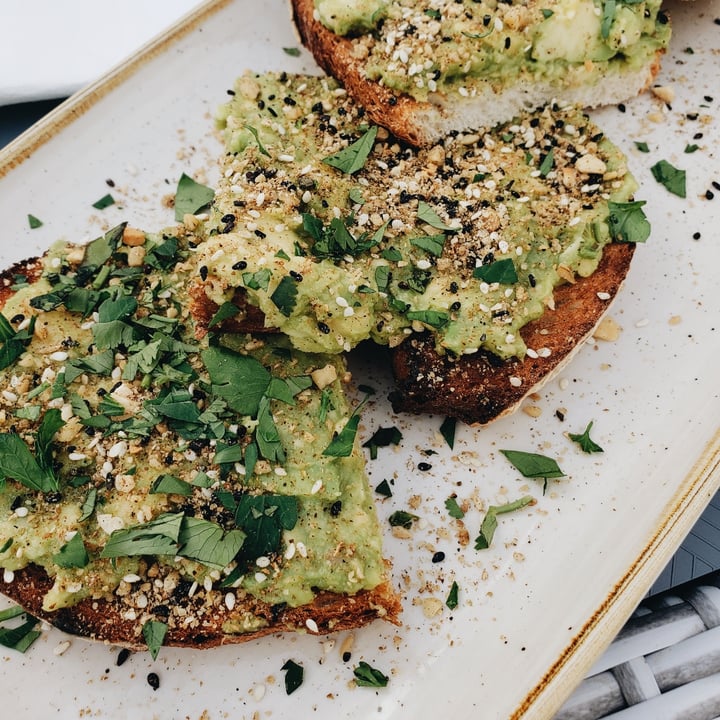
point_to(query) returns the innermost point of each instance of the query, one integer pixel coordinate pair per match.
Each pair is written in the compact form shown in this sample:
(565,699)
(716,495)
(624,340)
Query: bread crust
(106,619)
(423,123)
(478,388)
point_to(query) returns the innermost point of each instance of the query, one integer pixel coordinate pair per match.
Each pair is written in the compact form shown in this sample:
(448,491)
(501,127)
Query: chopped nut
(133,237)
(607,330)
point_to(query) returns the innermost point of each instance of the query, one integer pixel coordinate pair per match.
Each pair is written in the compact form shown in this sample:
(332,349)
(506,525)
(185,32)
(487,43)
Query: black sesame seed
(708,98)
(17,318)
(438,556)
(153,680)
(323,328)
(560,415)
(696,236)
(296,276)
(424,467)
(346,656)
(227,218)
(455,306)
(240,265)
(123,655)
(709,194)
(692,116)
(289,101)
(335,508)
(392,101)
(507,42)
(716,184)
(259,233)
(203,272)
(532,280)
(53,498)
(17,502)
(453,287)
(621,107)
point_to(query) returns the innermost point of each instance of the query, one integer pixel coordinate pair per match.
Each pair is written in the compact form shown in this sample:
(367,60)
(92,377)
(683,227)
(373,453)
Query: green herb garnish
(447,430)
(383,488)
(383,437)
(352,158)
(430,243)
(285,295)
(489,523)
(12,343)
(452,598)
(169,484)
(18,638)
(226,311)
(642,147)
(104,202)
(191,197)
(256,135)
(429,216)
(402,518)
(691,148)
(454,510)
(154,633)
(672,178)
(293,676)
(433,318)
(627,221)
(500,271)
(73,553)
(34,222)
(532,465)
(583,440)
(547,164)
(368,676)
(292,51)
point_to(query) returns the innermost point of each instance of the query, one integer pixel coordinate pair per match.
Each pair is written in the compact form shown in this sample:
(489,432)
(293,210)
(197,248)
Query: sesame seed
(76,456)
(604,295)
(60,648)
(230,600)
(263,561)
(22,511)
(317,486)
(131,578)
(59,356)
(515,381)
(311,625)
(260,577)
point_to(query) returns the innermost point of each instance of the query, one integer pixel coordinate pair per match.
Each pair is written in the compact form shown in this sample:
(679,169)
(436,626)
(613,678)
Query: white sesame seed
(207,583)
(286,158)
(563,383)
(424,264)
(515,381)
(604,295)
(302,550)
(341,301)
(141,601)
(642,323)
(9,396)
(311,625)
(59,356)
(118,449)
(230,600)
(21,512)
(531,353)
(76,456)
(193,589)
(317,486)
(307,196)
(263,561)
(260,577)
(8,576)
(281,472)
(544,352)
(290,551)
(260,199)
(131,578)
(116,373)
(348,312)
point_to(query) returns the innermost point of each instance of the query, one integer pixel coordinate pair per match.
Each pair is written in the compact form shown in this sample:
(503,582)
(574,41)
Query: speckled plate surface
(562,576)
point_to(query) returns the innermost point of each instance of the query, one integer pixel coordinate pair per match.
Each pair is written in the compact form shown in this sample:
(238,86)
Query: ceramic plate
(538,607)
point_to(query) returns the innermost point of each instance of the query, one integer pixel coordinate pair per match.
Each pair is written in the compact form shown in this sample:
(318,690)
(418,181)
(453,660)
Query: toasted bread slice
(146,476)
(423,70)
(480,388)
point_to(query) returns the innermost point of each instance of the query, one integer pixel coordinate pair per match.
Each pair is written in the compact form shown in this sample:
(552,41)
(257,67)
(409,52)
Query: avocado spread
(137,463)
(451,47)
(339,233)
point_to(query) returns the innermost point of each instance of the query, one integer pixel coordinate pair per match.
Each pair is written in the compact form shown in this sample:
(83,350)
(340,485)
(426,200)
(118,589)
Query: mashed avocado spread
(445,46)
(140,464)
(339,233)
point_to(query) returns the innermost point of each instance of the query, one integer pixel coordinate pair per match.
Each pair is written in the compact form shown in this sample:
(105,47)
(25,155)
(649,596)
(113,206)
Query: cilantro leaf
(258,280)
(292,52)
(383,488)
(171,485)
(224,312)
(191,196)
(642,146)
(368,676)
(489,523)
(103,202)
(342,444)
(500,271)
(157,537)
(19,638)
(627,221)
(352,158)
(13,343)
(88,505)
(72,554)
(208,543)
(433,318)
(691,148)
(583,440)
(154,633)
(532,465)
(670,177)
(293,676)
(34,222)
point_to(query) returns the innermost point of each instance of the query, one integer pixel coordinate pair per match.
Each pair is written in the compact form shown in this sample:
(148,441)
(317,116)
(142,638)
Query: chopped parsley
(72,554)
(22,636)
(191,197)
(489,523)
(670,177)
(584,441)
(627,221)
(430,243)
(34,222)
(285,295)
(532,465)
(454,510)
(293,676)
(452,598)
(642,146)
(352,158)
(500,271)
(368,676)
(104,202)
(402,518)
(383,488)
(429,216)
(292,51)
(447,430)
(154,633)
(382,437)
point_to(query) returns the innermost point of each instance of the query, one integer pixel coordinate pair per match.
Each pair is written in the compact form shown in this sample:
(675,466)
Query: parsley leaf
(258,280)
(171,485)
(352,158)
(583,440)
(433,318)
(34,222)
(383,488)
(154,633)
(402,518)
(190,197)
(532,465)
(342,444)
(454,510)
(691,148)
(208,543)
(73,553)
(368,676)
(13,343)
(489,523)
(500,271)
(292,52)
(224,312)
(103,202)
(19,638)
(157,537)
(452,598)
(431,243)
(256,135)
(429,216)
(670,177)
(642,146)
(627,221)
(447,430)
(293,676)
(239,379)
(547,164)
(285,295)
(383,437)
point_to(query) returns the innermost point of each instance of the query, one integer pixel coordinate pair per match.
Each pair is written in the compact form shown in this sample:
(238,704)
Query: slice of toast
(424,69)
(141,480)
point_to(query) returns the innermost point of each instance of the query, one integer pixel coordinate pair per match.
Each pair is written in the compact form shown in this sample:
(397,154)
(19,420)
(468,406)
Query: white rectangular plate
(562,576)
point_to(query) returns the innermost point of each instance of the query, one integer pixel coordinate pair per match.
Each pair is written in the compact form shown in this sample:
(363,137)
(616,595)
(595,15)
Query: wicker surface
(663,665)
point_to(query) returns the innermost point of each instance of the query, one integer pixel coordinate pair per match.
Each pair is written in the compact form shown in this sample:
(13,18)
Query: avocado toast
(156,486)
(337,233)
(424,69)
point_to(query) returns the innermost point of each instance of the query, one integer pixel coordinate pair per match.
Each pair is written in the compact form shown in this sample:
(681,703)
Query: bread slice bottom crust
(480,388)
(423,123)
